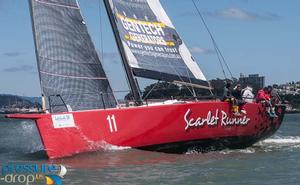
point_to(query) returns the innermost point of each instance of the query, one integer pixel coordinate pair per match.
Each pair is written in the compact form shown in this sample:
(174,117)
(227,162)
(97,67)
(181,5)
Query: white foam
(280,143)
(247,151)
(283,140)
(268,145)
(243,151)
(28,127)
(107,146)
(102,145)
(117,148)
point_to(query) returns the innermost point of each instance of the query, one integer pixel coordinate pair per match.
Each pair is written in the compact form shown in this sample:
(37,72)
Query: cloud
(198,50)
(12,54)
(23,68)
(242,15)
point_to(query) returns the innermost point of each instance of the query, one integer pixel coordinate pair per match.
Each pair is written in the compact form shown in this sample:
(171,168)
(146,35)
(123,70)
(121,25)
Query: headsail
(151,43)
(67,59)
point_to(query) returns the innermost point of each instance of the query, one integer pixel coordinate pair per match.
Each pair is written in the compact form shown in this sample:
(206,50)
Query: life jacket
(262,96)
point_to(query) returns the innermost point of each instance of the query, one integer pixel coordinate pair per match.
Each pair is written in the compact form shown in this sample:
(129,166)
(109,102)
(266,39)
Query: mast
(132,83)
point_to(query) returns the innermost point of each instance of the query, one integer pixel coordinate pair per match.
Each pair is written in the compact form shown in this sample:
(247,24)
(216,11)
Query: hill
(7,101)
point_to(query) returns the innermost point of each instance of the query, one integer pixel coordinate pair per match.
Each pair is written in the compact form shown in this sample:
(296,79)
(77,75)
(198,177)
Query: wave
(109,147)
(243,151)
(102,145)
(277,143)
(282,140)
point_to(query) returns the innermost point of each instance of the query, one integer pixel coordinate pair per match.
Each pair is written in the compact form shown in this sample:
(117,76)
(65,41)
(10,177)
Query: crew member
(228,97)
(248,95)
(237,94)
(263,96)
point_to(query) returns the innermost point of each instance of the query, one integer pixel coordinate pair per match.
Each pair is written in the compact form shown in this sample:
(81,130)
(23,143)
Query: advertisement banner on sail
(151,43)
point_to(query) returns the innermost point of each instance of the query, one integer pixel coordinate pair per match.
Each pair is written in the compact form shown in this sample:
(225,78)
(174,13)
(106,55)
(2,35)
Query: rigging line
(223,58)
(151,90)
(172,67)
(102,48)
(176,72)
(220,56)
(220,61)
(101,34)
(188,74)
(211,36)
(193,90)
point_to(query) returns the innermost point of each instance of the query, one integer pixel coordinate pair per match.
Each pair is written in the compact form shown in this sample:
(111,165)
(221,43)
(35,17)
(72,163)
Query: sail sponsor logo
(213,119)
(145,32)
(145,27)
(63,121)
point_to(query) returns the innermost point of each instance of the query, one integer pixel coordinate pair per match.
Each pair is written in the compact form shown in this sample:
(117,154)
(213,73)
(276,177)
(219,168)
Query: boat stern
(59,134)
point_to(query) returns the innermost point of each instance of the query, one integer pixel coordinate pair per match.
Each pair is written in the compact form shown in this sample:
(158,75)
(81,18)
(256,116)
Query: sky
(255,36)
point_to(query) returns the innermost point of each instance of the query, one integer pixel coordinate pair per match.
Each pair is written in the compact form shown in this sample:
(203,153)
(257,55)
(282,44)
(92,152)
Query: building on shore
(291,88)
(253,80)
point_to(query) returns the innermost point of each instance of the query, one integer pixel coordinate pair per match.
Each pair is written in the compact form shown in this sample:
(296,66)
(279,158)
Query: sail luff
(35,43)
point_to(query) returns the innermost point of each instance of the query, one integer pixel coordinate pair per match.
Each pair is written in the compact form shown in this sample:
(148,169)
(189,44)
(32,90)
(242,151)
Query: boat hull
(176,128)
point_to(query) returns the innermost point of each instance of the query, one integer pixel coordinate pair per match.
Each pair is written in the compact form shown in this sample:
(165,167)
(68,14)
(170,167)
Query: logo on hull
(214,119)
(63,121)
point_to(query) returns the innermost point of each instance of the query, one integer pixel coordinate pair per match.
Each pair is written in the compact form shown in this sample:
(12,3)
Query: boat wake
(243,151)
(288,140)
(101,145)
(19,137)
(109,147)
(279,143)
(276,143)
(30,132)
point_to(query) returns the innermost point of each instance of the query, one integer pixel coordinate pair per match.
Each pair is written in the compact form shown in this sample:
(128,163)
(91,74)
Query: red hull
(171,128)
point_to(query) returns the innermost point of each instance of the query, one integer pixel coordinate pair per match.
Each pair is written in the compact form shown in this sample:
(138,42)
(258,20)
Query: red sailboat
(83,113)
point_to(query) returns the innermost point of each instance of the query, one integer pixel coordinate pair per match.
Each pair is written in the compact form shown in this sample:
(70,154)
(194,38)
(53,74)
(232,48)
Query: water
(274,161)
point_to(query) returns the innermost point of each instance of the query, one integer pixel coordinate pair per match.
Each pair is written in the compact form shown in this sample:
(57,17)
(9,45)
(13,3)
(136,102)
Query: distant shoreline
(293,112)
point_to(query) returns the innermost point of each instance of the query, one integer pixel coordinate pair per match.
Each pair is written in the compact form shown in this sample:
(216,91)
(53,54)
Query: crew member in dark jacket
(238,95)
(228,97)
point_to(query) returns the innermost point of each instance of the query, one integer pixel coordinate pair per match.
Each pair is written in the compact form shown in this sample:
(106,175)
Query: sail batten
(69,67)
(151,43)
(76,77)
(59,4)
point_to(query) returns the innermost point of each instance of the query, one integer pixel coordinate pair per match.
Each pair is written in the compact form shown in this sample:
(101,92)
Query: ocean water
(274,161)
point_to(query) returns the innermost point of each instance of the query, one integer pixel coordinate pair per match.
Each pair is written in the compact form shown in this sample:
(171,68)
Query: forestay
(151,43)
(67,60)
